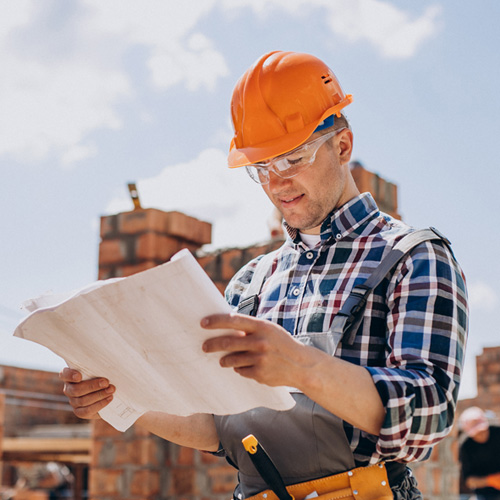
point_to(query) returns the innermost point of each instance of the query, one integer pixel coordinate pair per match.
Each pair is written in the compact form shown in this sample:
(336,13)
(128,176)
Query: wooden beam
(15,458)
(44,445)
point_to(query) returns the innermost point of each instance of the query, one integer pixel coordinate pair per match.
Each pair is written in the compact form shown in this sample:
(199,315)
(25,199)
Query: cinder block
(188,228)
(138,221)
(364,179)
(144,451)
(128,270)
(112,252)
(106,483)
(209,264)
(186,456)
(145,483)
(183,481)
(155,246)
(109,226)
(106,272)
(222,479)
(231,261)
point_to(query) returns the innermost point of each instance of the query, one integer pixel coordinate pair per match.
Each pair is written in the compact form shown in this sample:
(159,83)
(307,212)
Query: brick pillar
(384,192)
(438,478)
(131,465)
(142,239)
(136,465)
(124,465)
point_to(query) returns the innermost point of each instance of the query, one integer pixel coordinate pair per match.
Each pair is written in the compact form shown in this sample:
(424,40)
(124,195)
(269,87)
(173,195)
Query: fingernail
(103,383)
(204,322)
(109,389)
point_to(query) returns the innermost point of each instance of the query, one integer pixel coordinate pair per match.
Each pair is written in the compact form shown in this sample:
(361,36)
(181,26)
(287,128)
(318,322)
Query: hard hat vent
(326,79)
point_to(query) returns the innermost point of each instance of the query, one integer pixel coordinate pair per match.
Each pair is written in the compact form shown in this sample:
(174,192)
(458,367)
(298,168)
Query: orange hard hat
(278,103)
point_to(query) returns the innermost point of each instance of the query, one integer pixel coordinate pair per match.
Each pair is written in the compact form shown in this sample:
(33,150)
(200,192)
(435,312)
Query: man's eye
(295,161)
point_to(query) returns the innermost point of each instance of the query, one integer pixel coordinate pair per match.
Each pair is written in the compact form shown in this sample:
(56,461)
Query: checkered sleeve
(427,328)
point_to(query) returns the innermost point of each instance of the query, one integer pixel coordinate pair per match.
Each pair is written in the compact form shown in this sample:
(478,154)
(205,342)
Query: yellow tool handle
(265,467)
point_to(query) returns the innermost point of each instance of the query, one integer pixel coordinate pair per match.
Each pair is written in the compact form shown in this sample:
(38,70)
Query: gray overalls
(308,442)
(304,443)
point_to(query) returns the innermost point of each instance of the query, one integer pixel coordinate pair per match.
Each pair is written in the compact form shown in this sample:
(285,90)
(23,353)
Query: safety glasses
(289,164)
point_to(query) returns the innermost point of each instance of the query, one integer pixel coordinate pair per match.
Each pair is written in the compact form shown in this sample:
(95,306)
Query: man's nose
(276,183)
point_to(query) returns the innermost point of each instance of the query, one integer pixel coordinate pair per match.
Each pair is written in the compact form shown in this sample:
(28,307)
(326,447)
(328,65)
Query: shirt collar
(341,221)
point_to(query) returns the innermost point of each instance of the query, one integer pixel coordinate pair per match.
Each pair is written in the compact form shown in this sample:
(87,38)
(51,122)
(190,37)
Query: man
(390,394)
(480,454)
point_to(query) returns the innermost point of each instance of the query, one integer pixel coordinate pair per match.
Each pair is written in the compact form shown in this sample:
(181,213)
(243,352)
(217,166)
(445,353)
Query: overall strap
(346,322)
(250,303)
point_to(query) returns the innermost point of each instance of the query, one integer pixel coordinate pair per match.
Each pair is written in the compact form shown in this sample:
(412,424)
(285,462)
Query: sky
(95,94)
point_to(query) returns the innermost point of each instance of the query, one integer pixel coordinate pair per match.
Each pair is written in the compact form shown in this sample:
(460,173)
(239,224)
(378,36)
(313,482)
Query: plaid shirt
(413,334)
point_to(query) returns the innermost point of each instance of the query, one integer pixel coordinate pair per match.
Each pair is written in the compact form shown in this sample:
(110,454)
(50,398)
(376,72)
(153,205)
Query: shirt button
(338,236)
(309,255)
(295,291)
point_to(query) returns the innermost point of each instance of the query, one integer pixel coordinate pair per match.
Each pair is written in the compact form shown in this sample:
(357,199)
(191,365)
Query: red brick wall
(32,397)
(439,477)
(136,464)
(142,239)
(384,192)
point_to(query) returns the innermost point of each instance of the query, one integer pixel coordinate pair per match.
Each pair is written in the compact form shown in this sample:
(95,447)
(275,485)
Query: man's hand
(267,353)
(260,350)
(474,482)
(87,397)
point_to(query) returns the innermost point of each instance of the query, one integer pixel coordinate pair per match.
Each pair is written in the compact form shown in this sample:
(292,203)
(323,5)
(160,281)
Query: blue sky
(95,94)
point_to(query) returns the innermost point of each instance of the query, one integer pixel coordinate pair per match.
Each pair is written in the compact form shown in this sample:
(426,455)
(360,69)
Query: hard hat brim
(240,157)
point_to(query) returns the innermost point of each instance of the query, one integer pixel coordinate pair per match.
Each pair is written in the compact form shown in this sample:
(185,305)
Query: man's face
(481,436)
(305,200)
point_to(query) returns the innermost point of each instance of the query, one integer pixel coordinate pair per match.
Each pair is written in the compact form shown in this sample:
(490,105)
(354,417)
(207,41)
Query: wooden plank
(17,458)
(58,445)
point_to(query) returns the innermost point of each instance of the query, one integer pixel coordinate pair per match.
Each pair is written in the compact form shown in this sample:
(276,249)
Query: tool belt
(362,483)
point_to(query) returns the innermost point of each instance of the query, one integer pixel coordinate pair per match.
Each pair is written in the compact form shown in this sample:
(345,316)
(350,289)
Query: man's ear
(344,145)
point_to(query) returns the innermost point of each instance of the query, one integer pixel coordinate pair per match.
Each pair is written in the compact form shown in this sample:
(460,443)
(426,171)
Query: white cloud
(51,108)
(392,31)
(205,188)
(198,66)
(52,100)
(482,296)
(176,54)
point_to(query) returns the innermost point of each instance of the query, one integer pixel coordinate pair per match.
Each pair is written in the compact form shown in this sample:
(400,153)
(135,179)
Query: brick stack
(384,192)
(136,464)
(142,239)
(438,477)
(222,264)
(32,397)
(488,382)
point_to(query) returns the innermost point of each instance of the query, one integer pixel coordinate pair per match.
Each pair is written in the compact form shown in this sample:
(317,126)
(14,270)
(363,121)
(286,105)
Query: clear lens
(259,174)
(290,164)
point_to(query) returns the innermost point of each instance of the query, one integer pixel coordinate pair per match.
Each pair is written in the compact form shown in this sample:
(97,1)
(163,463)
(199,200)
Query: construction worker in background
(480,454)
(51,480)
(385,393)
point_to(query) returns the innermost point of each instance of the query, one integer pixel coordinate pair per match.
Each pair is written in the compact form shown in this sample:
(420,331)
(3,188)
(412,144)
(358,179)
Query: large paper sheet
(143,333)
